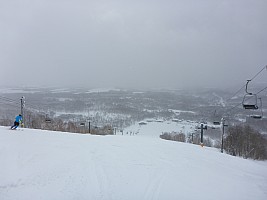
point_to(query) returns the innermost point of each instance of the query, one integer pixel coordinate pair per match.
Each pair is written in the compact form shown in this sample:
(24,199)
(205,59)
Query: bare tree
(245,142)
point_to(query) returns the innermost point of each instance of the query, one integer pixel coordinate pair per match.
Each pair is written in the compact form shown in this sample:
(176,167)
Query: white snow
(102,90)
(60,90)
(221,100)
(91,113)
(15,91)
(64,99)
(45,165)
(154,128)
(180,111)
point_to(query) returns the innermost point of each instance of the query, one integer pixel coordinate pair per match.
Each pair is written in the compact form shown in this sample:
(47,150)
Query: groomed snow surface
(37,165)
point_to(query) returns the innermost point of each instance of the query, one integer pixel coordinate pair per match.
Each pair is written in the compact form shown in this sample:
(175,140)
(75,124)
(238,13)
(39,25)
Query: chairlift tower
(22,105)
(223,125)
(202,127)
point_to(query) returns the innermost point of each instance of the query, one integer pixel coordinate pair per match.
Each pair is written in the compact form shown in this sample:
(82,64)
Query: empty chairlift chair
(216,119)
(47,119)
(216,122)
(250,100)
(258,115)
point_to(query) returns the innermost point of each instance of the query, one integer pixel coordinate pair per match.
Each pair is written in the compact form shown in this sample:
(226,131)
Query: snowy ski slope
(45,165)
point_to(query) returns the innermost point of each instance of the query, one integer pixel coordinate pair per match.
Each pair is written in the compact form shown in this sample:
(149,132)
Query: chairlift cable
(231,109)
(261,90)
(236,92)
(9,104)
(14,103)
(35,105)
(8,99)
(265,67)
(18,103)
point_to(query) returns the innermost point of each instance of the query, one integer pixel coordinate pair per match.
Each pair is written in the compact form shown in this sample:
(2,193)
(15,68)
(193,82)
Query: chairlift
(47,119)
(82,124)
(258,116)
(216,121)
(250,100)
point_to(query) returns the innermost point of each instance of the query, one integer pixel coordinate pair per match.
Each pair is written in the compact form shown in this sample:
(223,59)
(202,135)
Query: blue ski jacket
(18,119)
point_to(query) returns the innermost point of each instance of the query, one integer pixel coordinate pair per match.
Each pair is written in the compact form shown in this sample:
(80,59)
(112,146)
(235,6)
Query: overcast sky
(132,43)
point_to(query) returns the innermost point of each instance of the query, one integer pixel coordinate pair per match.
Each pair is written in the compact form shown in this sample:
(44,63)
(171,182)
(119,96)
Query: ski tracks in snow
(153,188)
(100,177)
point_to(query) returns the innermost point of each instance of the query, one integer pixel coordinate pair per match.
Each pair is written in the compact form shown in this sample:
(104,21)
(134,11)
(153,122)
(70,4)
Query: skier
(17,121)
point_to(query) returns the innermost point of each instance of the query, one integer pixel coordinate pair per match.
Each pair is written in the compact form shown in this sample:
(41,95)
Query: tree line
(241,140)
(39,121)
(246,142)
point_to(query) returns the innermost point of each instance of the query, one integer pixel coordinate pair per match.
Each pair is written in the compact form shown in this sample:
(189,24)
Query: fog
(132,43)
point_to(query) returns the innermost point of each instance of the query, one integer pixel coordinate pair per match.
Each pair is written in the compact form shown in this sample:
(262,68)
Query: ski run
(46,165)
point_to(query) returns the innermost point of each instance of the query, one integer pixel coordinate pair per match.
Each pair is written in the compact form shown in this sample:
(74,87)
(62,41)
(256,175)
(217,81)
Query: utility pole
(22,105)
(89,127)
